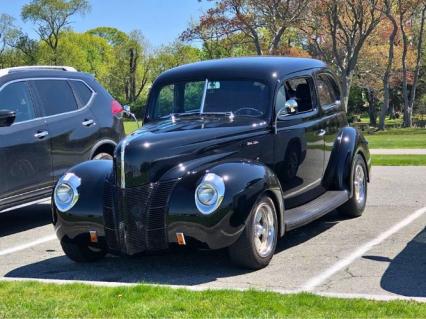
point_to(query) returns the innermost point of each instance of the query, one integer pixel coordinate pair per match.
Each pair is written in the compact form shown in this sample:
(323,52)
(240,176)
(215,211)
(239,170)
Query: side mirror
(7,118)
(126,109)
(290,107)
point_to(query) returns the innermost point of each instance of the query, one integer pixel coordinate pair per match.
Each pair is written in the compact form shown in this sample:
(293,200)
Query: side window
(56,96)
(82,91)
(327,94)
(16,97)
(299,89)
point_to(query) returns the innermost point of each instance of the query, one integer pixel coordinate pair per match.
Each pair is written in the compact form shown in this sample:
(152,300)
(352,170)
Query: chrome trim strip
(60,79)
(203,100)
(40,189)
(122,172)
(39,201)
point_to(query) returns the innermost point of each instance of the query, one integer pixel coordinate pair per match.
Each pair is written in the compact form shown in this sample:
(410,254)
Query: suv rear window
(56,96)
(82,91)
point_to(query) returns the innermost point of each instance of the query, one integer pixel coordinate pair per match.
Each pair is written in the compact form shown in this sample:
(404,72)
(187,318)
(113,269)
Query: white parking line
(343,263)
(28,245)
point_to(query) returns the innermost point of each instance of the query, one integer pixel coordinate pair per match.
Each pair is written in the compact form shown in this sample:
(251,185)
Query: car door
(334,117)
(72,128)
(299,144)
(25,159)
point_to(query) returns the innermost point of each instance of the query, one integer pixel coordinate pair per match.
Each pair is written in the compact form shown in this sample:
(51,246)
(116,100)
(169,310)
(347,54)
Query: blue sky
(161,21)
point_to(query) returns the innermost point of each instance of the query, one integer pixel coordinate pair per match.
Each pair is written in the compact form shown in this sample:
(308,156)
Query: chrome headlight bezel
(71,181)
(214,183)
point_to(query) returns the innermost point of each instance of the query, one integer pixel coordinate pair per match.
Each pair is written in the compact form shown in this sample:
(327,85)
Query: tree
(337,32)
(411,12)
(52,17)
(8,31)
(262,22)
(388,11)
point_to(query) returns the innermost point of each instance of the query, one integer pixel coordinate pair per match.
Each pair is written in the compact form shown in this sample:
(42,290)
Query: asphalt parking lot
(380,255)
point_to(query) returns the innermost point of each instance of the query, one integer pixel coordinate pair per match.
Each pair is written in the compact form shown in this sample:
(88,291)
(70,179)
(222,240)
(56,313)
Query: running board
(302,215)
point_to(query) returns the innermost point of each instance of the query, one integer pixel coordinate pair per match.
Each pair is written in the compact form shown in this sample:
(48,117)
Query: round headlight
(209,193)
(66,195)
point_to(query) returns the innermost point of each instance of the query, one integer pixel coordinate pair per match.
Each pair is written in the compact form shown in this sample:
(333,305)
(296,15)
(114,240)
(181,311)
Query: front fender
(244,182)
(349,142)
(87,213)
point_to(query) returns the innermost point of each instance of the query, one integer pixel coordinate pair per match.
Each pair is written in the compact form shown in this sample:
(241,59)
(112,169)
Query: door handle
(88,123)
(322,132)
(41,134)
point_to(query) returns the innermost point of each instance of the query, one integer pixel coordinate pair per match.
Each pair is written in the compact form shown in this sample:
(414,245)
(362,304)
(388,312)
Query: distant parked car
(51,118)
(233,153)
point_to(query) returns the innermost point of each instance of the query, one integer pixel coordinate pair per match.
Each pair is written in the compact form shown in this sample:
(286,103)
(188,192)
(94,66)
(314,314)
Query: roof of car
(262,68)
(17,73)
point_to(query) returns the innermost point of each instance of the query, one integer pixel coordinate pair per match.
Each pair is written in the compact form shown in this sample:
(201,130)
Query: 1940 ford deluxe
(233,153)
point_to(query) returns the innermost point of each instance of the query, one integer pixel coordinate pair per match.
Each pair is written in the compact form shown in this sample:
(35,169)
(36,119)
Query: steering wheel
(250,111)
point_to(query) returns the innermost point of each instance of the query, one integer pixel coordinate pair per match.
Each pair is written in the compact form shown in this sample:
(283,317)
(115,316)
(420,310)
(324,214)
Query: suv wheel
(102,156)
(256,245)
(355,206)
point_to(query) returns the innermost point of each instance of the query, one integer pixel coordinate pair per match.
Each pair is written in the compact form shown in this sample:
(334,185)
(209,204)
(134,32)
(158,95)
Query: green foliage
(356,101)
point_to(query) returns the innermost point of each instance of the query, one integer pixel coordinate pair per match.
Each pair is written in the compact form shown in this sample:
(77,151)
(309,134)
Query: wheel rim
(359,184)
(264,230)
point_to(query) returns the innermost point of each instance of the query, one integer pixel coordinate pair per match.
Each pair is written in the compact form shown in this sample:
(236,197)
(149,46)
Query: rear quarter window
(82,91)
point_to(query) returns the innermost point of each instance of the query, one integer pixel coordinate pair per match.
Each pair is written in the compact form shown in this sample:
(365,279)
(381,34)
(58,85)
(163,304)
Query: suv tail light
(116,107)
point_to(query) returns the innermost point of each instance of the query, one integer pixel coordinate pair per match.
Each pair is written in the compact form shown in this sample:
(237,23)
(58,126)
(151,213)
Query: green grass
(36,300)
(130,126)
(399,160)
(398,138)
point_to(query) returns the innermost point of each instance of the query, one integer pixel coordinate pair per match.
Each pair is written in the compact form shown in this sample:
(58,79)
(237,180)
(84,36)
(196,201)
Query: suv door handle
(88,123)
(322,132)
(41,134)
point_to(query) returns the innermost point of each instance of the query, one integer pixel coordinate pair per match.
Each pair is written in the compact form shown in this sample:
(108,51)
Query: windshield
(236,97)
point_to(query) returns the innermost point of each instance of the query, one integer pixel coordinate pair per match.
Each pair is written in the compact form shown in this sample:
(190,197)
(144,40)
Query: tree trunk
(386,76)
(372,107)
(133,57)
(346,81)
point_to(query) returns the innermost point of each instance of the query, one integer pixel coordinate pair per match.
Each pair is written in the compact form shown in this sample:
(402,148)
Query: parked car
(51,118)
(234,153)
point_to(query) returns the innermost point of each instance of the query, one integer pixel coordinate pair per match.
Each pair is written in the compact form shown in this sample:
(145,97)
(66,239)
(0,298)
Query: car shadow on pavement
(406,273)
(178,266)
(23,219)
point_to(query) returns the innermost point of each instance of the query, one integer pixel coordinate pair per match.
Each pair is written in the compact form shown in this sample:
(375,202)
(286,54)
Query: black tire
(81,253)
(103,156)
(355,206)
(243,252)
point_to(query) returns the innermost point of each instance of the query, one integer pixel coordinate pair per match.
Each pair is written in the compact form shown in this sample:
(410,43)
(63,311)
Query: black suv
(51,118)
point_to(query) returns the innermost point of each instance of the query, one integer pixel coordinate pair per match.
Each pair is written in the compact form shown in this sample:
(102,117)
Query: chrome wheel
(359,184)
(264,229)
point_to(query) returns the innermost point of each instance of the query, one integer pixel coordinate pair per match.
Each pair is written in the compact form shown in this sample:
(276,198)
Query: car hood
(159,146)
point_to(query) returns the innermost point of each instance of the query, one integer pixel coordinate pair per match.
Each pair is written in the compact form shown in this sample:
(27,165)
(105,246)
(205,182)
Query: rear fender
(349,142)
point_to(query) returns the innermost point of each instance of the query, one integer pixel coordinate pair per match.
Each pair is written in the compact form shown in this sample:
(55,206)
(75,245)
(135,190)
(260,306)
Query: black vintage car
(233,153)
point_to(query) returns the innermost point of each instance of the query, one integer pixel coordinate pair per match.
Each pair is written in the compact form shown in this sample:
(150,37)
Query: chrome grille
(137,216)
